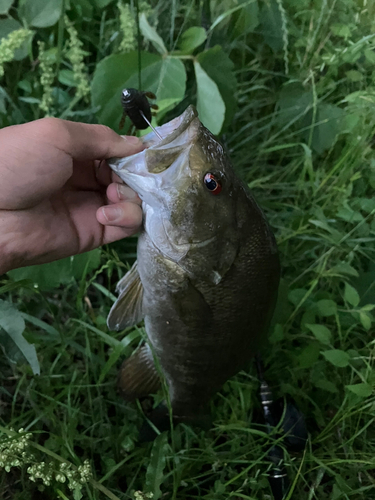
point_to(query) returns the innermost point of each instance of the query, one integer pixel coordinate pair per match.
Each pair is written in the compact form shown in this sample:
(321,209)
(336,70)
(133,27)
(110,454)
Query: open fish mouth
(170,130)
(160,154)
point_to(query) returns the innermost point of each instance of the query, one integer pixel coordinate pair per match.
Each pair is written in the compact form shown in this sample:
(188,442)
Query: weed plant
(290,89)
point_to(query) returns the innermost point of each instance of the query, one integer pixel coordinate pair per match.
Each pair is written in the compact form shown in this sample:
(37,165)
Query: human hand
(53,186)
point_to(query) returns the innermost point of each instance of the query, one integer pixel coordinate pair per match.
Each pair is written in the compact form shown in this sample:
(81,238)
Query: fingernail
(126,193)
(112,214)
(132,139)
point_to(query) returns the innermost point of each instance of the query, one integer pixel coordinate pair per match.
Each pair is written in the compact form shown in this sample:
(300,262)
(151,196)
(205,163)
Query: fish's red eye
(212,184)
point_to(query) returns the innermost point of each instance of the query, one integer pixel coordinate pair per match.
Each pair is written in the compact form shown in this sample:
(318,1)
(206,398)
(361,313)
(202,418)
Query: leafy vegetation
(289,86)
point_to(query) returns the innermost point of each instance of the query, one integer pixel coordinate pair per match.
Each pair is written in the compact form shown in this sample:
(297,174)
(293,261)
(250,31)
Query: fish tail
(159,421)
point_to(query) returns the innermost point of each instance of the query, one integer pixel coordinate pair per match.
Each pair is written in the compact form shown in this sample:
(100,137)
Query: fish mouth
(160,154)
(170,130)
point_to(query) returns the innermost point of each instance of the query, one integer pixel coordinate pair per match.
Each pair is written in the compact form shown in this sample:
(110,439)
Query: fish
(207,272)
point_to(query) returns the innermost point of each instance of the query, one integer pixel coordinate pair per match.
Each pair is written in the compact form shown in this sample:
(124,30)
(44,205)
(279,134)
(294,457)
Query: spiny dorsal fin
(127,310)
(138,376)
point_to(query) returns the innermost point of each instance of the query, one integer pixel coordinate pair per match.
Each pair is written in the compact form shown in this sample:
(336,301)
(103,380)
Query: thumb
(83,141)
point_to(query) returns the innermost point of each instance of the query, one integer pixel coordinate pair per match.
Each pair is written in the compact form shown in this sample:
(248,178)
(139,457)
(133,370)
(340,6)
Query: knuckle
(54,127)
(49,124)
(104,130)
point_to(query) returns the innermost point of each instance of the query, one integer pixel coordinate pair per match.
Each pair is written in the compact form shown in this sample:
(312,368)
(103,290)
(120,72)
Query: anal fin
(127,310)
(138,376)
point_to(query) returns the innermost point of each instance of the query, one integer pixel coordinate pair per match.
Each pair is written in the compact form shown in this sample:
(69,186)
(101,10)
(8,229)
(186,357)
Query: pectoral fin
(127,310)
(138,376)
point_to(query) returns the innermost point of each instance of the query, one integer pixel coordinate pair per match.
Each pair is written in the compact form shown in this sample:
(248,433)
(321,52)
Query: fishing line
(139,46)
(149,124)
(140,69)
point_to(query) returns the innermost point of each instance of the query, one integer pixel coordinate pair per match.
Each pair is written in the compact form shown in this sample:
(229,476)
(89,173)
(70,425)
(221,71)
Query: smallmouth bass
(207,271)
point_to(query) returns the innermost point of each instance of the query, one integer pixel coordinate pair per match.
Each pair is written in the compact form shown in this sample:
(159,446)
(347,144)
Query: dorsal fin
(127,310)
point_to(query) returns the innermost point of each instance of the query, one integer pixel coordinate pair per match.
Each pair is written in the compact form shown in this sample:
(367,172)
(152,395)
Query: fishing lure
(294,427)
(137,107)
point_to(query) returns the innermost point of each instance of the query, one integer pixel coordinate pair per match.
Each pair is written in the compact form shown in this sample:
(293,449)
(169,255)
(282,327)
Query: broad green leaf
(297,295)
(271,22)
(77,493)
(354,75)
(66,77)
(42,13)
(370,55)
(222,74)
(343,268)
(245,20)
(337,357)
(46,276)
(367,307)
(121,70)
(13,324)
(84,8)
(29,100)
(366,204)
(25,85)
(365,284)
(151,34)
(365,319)
(155,469)
(229,12)
(5,5)
(277,335)
(296,109)
(308,317)
(341,30)
(210,104)
(191,39)
(326,385)
(363,390)
(346,213)
(309,355)
(6,27)
(326,307)
(166,77)
(321,333)
(169,76)
(351,295)
(293,103)
(328,124)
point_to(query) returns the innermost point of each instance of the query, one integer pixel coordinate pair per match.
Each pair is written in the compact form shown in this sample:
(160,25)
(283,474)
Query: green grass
(303,140)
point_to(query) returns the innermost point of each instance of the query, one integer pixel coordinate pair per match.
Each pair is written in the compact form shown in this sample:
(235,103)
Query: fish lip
(172,129)
(169,131)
